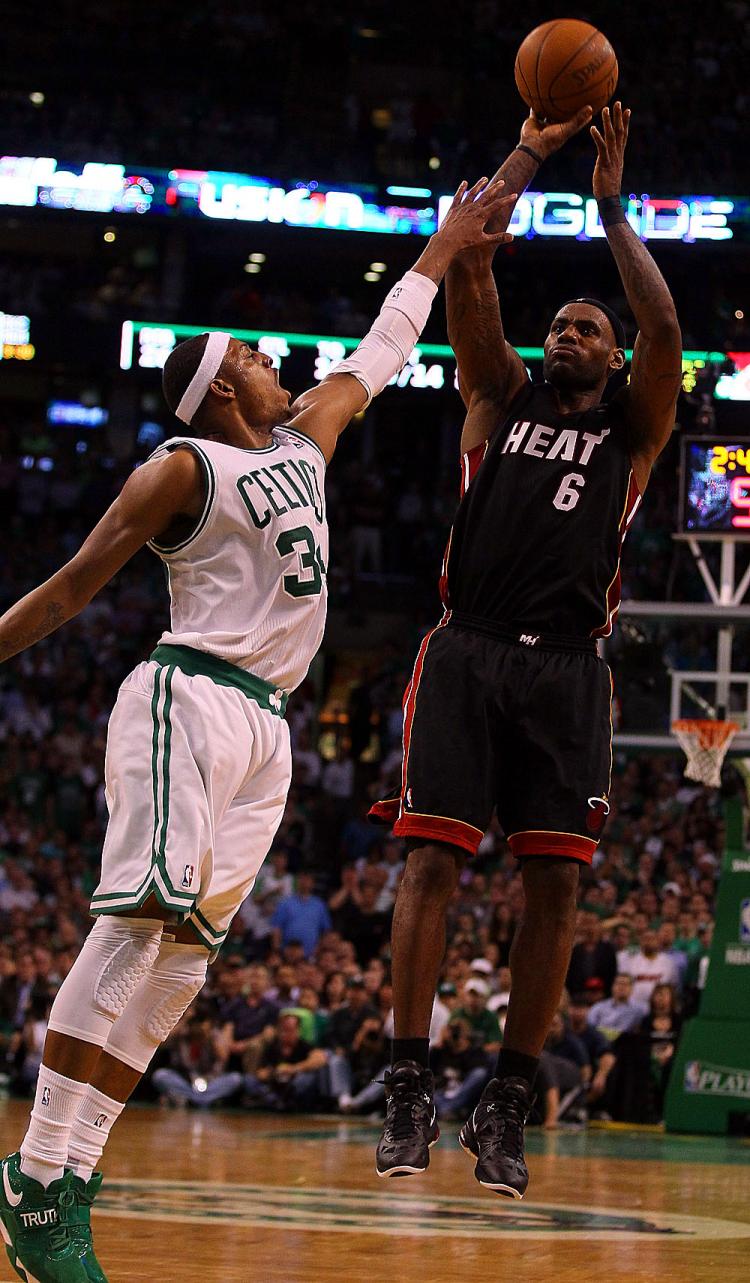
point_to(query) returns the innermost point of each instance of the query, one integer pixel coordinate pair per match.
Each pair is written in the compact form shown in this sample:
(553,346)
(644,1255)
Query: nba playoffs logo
(187,876)
(745,921)
(598,812)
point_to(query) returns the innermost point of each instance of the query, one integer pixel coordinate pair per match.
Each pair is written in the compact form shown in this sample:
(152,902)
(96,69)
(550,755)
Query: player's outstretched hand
(472,208)
(545,139)
(610,150)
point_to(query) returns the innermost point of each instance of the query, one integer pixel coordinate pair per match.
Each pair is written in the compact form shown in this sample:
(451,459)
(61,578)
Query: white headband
(214,354)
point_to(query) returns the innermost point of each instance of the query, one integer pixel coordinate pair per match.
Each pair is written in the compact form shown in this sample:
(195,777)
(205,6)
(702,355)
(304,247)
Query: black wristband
(611,211)
(530,152)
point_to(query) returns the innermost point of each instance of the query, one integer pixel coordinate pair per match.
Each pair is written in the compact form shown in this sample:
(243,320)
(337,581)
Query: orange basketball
(565,65)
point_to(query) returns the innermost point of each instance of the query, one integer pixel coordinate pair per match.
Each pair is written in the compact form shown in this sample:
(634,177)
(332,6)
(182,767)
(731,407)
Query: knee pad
(160,1001)
(116,956)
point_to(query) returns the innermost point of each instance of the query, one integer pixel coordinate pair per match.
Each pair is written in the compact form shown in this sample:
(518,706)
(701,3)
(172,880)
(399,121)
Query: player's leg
(563,745)
(40,1203)
(445,805)
(147,750)
(418,944)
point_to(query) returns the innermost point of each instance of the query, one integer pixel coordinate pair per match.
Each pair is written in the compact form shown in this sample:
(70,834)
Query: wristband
(611,211)
(530,152)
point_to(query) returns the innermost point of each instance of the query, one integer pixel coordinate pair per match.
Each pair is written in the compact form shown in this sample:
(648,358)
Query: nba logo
(45,1096)
(745,921)
(692,1075)
(187,877)
(100,1120)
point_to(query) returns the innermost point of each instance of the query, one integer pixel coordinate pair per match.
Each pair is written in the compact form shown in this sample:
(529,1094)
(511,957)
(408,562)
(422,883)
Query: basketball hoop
(705,744)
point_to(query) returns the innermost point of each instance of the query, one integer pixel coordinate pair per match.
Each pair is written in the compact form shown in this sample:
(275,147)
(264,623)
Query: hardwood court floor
(249,1198)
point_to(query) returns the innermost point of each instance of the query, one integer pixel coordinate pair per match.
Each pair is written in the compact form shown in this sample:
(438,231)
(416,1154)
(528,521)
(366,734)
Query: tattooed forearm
(28,622)
(516,171)
(645,288)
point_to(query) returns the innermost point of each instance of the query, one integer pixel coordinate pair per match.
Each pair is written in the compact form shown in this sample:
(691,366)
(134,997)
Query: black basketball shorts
(499,719)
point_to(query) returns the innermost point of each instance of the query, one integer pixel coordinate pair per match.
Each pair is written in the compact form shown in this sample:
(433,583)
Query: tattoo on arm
(31,631)
(646,290)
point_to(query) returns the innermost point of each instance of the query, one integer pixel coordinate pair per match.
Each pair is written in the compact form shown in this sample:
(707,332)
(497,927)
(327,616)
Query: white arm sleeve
(386,348)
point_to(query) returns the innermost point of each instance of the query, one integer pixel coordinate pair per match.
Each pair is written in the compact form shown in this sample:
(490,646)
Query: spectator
(643,1062)
(345,1022)
(600,1056)
(289,1075)
(195,1074)
(648,967)
(301,916)
(473,1009)
(618,1014)
(245,1021)
(274,882)
(462,1070)
(593,962)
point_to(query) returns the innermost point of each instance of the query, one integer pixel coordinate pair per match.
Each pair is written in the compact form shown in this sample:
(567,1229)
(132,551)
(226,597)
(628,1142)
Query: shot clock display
(715,485)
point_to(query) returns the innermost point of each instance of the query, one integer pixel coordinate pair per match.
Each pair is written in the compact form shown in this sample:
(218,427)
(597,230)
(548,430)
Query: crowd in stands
(354,89)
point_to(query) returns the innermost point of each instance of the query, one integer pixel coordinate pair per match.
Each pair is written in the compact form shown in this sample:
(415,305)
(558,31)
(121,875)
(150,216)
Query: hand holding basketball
(610,150)
(545,138)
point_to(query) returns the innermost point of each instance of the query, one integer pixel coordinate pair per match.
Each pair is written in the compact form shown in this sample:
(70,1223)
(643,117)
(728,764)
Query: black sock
(516,1064)
(411,1049)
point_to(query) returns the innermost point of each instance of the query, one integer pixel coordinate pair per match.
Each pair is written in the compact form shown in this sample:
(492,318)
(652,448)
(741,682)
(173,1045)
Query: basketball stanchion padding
(705,744)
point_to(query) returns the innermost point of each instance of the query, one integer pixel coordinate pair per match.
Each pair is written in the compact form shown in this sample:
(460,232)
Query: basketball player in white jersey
(198,762)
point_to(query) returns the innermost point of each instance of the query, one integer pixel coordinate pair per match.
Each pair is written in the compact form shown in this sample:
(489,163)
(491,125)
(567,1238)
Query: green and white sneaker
(79,1224)
(34,1227)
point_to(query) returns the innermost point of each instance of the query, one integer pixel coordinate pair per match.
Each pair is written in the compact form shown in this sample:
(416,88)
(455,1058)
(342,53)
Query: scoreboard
(715,485)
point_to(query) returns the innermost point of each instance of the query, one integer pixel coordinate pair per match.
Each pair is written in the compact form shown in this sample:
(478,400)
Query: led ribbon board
(146,345)
(43,181)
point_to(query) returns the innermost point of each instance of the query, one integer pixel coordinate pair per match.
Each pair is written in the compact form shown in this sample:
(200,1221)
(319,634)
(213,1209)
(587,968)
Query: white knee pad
(160,1001)
(114,959)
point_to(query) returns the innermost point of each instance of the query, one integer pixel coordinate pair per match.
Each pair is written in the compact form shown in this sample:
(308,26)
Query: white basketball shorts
(197,772)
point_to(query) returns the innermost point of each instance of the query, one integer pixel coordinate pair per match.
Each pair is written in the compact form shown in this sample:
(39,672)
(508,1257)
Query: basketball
(565,65)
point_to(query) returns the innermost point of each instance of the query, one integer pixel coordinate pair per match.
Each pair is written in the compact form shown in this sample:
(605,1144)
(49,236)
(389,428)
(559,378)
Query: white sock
(90,1131)
(44,1151)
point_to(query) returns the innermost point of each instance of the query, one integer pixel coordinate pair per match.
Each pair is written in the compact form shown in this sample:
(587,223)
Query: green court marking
(636,1145)
(294,1207)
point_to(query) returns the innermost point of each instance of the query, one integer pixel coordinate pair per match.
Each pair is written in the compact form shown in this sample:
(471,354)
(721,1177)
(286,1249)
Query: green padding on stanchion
(711,1077)
(710,1080)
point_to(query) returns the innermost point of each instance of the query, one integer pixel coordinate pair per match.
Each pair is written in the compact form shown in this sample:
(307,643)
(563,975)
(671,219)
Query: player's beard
(569,376)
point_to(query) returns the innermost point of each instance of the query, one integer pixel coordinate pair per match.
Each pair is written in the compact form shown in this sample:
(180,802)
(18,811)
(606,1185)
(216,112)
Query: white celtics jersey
(249,584)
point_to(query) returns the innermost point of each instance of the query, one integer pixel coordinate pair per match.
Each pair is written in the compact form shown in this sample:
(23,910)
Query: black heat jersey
(546,505)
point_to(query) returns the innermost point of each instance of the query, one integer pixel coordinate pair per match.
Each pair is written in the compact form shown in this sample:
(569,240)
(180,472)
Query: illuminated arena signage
(15,338)
(146,344)
(33,181)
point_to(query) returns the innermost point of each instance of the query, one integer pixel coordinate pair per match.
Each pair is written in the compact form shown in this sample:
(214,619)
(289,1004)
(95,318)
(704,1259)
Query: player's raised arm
(152,497)
(656,371)
(323,412)
(490,371)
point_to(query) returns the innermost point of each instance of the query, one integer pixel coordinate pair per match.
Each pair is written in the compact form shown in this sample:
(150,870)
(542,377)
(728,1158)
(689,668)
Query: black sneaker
(494,1135)
(410,1127)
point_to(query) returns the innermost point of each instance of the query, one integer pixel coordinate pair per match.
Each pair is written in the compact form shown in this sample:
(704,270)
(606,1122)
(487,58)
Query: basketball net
(705,744)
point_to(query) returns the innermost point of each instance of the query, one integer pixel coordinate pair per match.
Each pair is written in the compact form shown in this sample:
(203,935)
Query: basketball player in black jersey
(509,705)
